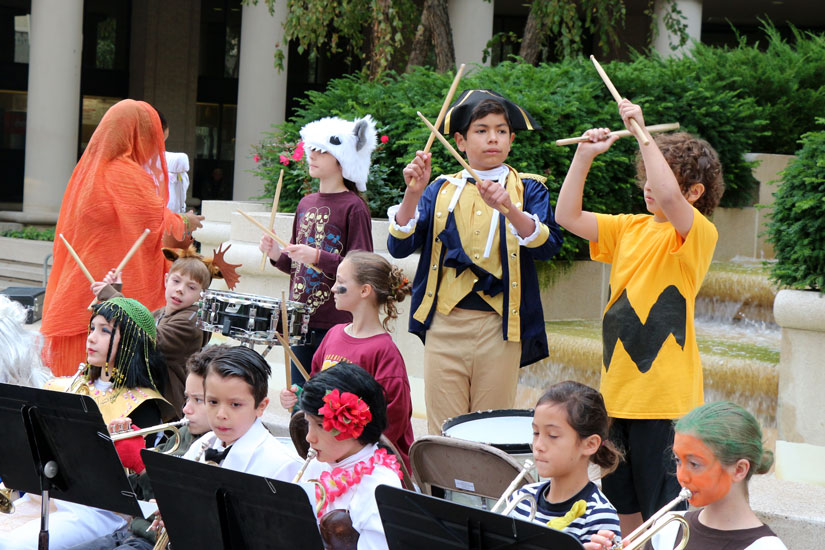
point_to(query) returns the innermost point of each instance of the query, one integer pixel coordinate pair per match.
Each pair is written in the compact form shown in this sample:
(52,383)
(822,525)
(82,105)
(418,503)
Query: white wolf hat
(351,143)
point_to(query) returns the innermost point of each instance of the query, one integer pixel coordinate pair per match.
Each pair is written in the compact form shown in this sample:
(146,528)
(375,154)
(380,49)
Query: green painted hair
(731,432)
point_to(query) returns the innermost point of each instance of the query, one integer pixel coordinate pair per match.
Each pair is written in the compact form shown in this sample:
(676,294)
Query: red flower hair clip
(345,414)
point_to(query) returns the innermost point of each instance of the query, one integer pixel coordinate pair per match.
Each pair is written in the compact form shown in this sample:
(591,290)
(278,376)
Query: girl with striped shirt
(570,428)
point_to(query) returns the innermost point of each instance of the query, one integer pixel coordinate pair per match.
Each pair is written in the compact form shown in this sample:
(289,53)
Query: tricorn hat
(458,116)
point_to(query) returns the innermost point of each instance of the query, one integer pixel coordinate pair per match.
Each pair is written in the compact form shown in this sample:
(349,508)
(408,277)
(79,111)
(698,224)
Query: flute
(311,453)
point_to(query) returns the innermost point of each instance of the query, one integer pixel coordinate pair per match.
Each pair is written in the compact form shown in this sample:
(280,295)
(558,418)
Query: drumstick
(615,93)
(272,214)
(279,240)
(461,161)
(77,259)
(284,328)
(622,133)
(127,257)
(298,364)
(442,112)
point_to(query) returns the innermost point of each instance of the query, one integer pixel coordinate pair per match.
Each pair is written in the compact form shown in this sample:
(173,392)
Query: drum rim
(268,302)
(510,448)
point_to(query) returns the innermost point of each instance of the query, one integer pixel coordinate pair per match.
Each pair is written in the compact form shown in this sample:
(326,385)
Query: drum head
(510,430)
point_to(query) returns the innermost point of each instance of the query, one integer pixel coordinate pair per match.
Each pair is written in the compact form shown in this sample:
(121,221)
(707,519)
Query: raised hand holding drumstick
(634,126)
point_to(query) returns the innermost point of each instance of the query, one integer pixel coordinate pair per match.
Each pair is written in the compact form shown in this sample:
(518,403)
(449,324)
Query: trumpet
(645,531)
(170,426)
(528,465)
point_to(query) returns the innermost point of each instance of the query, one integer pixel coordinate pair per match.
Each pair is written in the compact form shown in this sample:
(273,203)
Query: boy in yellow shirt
(651,371)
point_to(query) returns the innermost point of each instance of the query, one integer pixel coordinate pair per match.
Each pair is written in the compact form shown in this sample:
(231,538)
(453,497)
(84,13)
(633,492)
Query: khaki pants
(468,366)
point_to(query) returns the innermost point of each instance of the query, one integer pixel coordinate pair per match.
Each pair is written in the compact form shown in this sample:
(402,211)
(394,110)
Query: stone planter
(21,261)
(801,416)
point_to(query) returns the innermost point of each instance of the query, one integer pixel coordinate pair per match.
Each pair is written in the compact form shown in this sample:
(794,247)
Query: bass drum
(510,430)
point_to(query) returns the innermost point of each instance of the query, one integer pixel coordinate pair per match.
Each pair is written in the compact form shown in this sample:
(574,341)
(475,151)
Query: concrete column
(53,106)
(261,90)
(692,10)
(472,24)
(163,63)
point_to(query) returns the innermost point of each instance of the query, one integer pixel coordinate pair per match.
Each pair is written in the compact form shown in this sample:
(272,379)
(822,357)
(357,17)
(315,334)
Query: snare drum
(510,430)
(250,318)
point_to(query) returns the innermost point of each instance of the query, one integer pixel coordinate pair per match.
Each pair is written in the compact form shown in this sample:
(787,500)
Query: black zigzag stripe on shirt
(642,341)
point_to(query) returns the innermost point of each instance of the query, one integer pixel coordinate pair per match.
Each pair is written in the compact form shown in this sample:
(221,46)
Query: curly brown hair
(693,160)
(387,280)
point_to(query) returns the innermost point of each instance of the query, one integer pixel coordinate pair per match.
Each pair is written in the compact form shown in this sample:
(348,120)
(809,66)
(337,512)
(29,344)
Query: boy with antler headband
(178,335)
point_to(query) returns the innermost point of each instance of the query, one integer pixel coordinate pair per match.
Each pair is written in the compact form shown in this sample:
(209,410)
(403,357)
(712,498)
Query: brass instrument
(528,465)
(81,389)
(645,531)
(311,454)
(169,426)
(6,502)
(162,541)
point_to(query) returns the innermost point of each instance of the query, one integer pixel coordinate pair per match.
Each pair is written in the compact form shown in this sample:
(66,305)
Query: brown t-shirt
(703,537)
(335,223)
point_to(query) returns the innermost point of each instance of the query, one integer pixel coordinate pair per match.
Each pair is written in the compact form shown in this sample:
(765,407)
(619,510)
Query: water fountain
(738,341)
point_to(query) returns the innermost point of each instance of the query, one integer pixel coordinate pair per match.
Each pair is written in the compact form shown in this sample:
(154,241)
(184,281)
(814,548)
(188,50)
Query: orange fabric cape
(118,189)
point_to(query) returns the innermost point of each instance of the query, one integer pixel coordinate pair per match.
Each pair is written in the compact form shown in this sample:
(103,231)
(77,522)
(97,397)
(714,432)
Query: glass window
(207,120)
(106,44)
(94,107)
(21,38)
(228,118)
(13,116)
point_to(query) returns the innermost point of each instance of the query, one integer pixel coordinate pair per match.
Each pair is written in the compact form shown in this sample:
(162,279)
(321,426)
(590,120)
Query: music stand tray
(39,427)
(413,521)
(206,506)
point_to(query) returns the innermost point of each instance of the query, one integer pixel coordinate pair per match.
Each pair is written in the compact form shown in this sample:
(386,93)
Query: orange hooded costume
(118,189)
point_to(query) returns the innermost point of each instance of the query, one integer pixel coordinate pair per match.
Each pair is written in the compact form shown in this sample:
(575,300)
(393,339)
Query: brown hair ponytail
(387,281)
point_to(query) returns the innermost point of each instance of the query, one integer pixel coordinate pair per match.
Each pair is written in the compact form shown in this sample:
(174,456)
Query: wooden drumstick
(279,240)
(622,133)
(442,112)
(615,93)
(77,259)
(128,256)
(298,364)
(454,153)
(284,329)
(272,214)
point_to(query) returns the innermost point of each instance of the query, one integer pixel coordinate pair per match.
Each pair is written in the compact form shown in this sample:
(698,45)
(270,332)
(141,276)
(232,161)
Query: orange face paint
(699,470)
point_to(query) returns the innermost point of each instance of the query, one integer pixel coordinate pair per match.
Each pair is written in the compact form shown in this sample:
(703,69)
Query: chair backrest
(298,432)
(406,480)
(464,466)
(298,429)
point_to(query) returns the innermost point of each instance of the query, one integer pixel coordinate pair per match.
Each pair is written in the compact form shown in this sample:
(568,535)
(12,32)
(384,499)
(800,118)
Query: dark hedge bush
(797,225)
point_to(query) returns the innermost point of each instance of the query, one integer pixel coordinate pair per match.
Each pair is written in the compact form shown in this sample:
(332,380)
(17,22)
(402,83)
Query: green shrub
(30,232)
(797,224)
(785,78)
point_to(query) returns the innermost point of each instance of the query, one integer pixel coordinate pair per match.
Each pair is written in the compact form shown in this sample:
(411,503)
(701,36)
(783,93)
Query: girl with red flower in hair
(346,414)
(365,284)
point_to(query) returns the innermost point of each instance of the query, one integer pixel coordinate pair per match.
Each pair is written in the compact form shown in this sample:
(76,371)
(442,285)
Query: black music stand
(206,506)
(57,445)
(413,521)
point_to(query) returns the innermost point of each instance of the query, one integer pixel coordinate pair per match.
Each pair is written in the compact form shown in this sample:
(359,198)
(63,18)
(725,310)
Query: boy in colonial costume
(475,301)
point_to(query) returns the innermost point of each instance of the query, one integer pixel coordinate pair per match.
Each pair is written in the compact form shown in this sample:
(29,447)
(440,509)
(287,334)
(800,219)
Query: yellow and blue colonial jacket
(451,266)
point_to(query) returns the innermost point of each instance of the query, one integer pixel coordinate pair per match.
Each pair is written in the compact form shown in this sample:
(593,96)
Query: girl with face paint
(367,285)
(717,447)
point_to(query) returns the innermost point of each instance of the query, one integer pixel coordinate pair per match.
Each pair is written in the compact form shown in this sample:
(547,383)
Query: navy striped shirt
(600,513)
